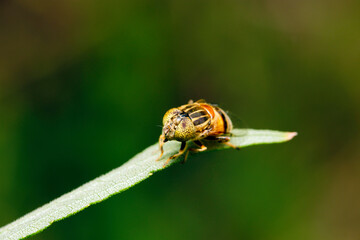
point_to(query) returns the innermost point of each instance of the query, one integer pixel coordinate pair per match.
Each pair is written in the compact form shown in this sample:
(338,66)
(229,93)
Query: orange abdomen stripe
(209,109)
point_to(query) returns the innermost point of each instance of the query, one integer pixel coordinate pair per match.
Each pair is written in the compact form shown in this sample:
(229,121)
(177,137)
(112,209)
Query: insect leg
(181,151)
(161,144)
(224,140)
(198,143)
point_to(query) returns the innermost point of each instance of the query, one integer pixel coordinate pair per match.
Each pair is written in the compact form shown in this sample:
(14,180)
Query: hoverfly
(195,121)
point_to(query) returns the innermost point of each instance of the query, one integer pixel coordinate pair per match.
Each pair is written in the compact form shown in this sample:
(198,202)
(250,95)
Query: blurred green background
(84,86)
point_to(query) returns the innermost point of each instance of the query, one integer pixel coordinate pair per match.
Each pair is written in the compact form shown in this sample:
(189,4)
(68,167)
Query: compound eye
(170,114)
(185,130)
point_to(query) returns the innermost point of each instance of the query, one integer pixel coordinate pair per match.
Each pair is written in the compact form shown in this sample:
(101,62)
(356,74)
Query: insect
(195,121)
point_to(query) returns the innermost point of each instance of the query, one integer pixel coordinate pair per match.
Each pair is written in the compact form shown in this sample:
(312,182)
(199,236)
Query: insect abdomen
(226,122)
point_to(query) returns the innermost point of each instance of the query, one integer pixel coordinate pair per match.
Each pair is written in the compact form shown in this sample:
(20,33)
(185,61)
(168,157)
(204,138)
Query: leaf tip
(290,135)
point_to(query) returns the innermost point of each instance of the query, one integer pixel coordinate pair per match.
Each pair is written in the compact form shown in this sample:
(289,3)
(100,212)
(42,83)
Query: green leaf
(137,169)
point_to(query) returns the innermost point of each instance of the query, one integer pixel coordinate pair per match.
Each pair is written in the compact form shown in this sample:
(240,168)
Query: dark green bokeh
(84,85)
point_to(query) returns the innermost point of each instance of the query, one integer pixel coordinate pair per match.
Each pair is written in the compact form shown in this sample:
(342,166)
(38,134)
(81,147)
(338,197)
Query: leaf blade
(137,169)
